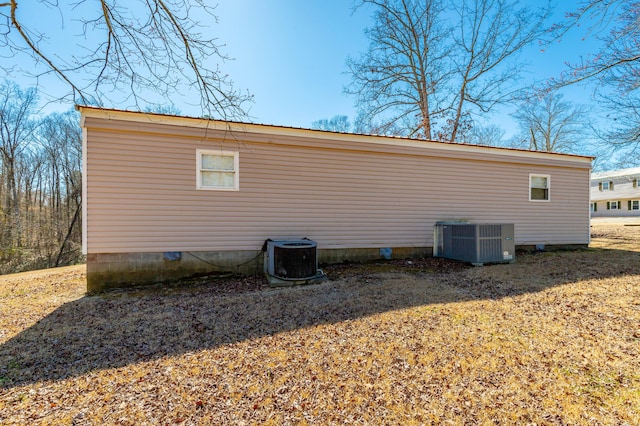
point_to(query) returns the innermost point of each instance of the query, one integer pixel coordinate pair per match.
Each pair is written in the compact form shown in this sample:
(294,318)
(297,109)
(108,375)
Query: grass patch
(551,339)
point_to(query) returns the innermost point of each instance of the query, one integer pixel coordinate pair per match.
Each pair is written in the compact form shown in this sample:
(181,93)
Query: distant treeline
(40,184)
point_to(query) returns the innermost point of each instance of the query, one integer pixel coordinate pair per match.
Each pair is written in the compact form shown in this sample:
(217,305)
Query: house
(166,196)
(615,193)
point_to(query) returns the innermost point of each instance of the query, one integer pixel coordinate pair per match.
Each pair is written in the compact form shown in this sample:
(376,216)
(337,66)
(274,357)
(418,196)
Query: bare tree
(16,130)
(41,184)
(169,109)
(148,46)
(489,35)
(338,123)
(490,135)
(432,63)
(31,165)
(551,124)
(60,143)
(620,138)
(399,79)
(616,25)
(614,71)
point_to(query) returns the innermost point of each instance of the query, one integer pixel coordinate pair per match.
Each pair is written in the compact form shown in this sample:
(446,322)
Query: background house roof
(616,173)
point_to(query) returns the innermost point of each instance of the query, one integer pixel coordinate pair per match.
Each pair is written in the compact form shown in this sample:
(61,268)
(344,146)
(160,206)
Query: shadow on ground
(117,329)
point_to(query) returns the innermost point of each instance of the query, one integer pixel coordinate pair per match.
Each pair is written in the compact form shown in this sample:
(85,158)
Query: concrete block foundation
(107,271)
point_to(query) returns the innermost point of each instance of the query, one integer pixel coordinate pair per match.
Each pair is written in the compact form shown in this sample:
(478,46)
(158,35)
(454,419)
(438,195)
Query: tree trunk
(69,231)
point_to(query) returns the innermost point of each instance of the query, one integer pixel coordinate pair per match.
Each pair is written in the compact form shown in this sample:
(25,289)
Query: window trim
(605,185)
(610,205)
(236,169)
(548,177)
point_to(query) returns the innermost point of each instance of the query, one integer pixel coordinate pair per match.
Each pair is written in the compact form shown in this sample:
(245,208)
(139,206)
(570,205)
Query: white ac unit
(475,243)
(292,259)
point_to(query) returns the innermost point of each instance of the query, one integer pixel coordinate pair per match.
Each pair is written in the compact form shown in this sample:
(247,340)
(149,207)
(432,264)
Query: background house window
(539,187)
(634,205)
(594,207)
(606,186)
(613,205)
(217,170)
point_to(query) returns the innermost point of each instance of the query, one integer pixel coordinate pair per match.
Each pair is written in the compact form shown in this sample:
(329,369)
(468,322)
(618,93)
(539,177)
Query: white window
(634,205)
(539,186)
(594,207)
(217,170)
(613,205)
(606,186)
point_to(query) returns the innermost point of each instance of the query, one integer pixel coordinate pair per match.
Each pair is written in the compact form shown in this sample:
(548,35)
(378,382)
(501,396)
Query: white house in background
(615,193)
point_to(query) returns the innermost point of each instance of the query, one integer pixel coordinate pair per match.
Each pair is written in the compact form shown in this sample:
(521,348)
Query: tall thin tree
(398,79)
(489,34)
(16,130)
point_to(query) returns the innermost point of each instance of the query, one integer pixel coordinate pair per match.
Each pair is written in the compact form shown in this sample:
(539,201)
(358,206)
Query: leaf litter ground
(551,339)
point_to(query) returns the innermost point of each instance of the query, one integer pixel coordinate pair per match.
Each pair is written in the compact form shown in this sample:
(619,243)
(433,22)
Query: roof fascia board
(230,126)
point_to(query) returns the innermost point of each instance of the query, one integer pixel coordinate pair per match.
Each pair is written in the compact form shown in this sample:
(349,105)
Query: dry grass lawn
(551,339)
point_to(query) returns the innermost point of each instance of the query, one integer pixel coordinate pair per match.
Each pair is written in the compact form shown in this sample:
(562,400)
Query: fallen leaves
(552,339)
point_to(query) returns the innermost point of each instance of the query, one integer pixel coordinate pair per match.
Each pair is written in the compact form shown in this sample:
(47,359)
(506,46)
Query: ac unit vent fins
(292,259)
(475,243)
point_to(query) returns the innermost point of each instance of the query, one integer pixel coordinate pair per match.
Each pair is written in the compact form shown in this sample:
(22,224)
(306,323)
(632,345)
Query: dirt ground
(616,236)
(551,339)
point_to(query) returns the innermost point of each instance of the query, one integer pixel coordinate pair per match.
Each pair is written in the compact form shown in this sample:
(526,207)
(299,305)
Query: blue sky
(290,55)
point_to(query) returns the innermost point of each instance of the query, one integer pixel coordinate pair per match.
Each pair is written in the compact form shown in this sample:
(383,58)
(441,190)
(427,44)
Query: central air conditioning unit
(475,243)
(292,260)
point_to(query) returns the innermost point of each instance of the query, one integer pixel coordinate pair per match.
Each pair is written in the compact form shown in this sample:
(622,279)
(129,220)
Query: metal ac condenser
(475,243)
(292,259)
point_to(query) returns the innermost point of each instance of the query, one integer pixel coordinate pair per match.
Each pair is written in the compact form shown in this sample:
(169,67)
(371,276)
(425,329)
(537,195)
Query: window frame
(548,188)
(611,203)
(632,207)
(605,185)
(217,152)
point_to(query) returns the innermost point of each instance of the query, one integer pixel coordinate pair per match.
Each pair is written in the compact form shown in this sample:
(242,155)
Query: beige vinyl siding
(623,211)
(622,189)
(347,193)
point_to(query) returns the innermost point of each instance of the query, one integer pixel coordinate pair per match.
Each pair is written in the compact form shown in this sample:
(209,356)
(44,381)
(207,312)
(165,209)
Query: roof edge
(224,125)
